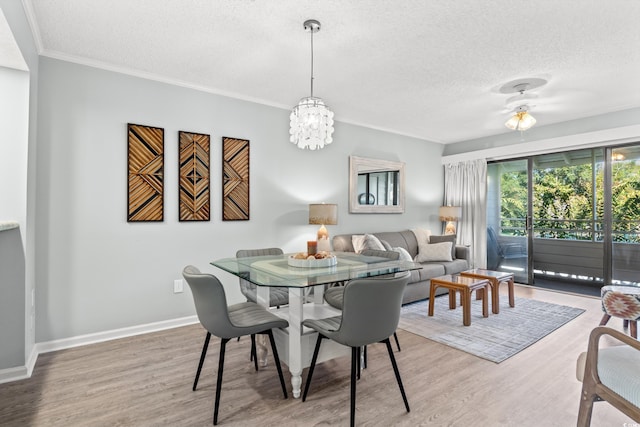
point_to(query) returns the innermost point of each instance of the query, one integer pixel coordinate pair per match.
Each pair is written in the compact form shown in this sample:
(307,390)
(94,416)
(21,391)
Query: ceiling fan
(520,104)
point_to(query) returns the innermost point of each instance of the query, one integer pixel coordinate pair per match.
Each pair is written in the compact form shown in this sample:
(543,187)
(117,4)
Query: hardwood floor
(146,381)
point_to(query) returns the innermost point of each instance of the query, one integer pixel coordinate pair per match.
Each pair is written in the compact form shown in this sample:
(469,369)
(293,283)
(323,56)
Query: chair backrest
(494,255)
(247,288)
(244,253)
(210,301)
(371,309)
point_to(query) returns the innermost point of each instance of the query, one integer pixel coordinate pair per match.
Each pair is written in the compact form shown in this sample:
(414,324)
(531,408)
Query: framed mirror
(375,186)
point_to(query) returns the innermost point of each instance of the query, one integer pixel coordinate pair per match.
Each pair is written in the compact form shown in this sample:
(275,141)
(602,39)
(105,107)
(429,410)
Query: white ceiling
(429,69)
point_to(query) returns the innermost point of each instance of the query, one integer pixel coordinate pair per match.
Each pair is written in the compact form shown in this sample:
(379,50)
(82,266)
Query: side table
(495,278)
(464,285)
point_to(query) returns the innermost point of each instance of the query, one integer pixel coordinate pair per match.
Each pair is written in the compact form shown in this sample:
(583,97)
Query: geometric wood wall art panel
(145,198)
(235,179)
(194,176)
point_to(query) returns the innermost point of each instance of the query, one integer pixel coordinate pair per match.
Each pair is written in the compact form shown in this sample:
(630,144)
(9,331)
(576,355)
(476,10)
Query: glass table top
(273,270)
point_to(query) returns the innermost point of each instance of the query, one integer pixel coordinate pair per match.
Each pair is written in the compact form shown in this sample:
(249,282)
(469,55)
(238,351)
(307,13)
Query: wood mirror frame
(361,166)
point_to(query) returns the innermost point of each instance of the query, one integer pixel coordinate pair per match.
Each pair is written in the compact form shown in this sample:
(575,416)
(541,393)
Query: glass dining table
(295,344)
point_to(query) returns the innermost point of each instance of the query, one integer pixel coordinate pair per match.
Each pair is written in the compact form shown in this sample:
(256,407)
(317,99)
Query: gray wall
(96,272)
(12,318)
(18,170)
(14,123)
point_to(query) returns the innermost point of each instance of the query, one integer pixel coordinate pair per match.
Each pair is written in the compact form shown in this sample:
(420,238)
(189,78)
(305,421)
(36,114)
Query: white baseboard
(31,361)
(23,372)
(13,374)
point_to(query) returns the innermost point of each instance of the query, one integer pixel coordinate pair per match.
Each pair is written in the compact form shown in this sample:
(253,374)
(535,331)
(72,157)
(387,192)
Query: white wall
(96,272)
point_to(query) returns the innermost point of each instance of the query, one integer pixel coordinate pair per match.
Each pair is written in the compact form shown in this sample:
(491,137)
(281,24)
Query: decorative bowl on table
(321,259)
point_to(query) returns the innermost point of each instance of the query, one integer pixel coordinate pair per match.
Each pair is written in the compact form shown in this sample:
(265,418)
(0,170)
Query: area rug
(494,338)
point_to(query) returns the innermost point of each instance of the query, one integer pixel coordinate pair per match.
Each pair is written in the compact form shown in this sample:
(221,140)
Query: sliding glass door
(625,215)
(508,218)
(568,216)
(572,216)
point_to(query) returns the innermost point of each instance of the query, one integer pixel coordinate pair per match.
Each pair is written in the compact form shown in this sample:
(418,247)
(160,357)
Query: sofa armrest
(463,252)
(392,255)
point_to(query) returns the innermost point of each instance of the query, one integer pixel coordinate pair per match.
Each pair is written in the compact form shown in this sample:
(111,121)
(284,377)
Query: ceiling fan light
(526,121)
(521,120)
(513,121)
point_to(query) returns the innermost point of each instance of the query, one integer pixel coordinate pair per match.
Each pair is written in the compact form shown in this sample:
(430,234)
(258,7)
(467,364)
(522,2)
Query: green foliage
(564,199)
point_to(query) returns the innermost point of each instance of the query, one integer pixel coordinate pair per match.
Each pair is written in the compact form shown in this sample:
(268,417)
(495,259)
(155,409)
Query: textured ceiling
(429,69)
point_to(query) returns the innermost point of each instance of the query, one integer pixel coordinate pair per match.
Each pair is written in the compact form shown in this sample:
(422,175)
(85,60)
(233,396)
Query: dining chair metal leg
(395,336)
(397,372)
(223,346)
(355,357)
(313,365)
(277,358)
(254,355)
(358,360)
(202,356)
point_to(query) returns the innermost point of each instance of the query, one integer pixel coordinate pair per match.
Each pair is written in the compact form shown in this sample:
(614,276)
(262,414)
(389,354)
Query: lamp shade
(323,214)
(450,213)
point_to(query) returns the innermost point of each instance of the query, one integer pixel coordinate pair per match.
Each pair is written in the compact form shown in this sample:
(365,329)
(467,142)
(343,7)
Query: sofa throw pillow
(386,245)
(366,241)
(434,252)
(446,238)
(404,254)
(422,235)
(357,240)
(372,242)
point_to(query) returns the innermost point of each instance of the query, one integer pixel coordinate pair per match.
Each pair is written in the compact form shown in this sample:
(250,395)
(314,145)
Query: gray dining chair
(334,296)
(370,314)
(277,295)
(227,322)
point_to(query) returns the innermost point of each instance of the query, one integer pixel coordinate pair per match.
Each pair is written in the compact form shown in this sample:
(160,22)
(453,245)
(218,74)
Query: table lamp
(323,214)
(450,214)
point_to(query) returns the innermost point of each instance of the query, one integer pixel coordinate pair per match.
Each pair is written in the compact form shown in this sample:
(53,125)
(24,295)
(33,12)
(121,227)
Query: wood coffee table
(495,278)
(464,285)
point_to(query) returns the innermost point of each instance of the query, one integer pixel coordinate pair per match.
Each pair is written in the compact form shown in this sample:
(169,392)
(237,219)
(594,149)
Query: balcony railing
(624,231)
(575,248)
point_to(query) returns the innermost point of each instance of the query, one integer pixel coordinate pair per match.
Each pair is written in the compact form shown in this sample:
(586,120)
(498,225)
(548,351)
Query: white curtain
(465,185)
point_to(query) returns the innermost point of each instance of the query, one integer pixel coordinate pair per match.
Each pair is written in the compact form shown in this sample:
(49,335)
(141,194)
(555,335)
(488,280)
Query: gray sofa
(418,287)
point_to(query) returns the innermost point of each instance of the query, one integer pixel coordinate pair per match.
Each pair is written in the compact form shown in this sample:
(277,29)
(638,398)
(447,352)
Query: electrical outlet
(178,286)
